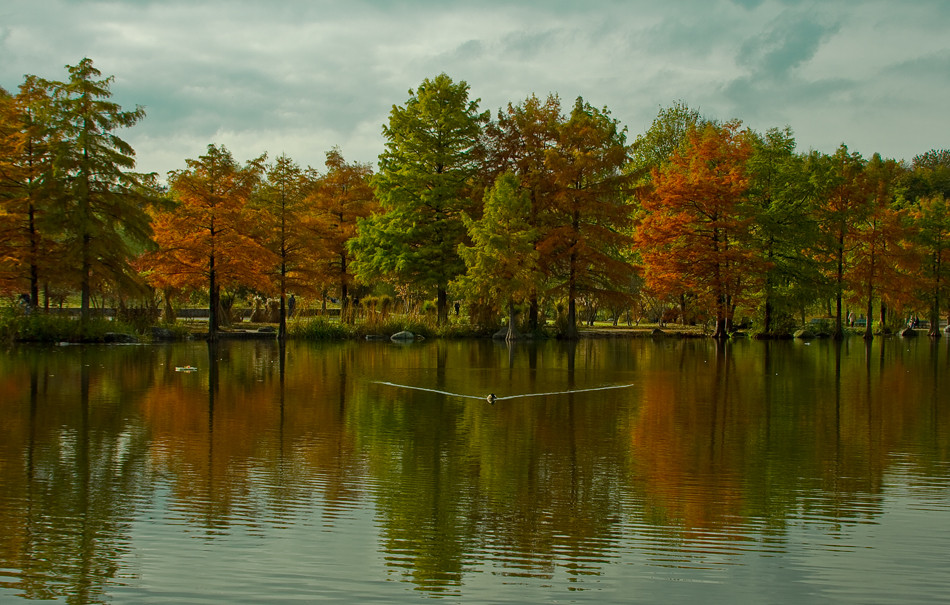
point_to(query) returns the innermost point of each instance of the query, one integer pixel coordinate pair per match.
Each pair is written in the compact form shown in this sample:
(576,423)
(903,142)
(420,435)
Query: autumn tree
(342,196)
(501,263)
(424,185)
(205,238)
(694,233)
(518,141)
(880,256)
(281,202)
(11,142)
(102,204)
(585,245)
(650,151)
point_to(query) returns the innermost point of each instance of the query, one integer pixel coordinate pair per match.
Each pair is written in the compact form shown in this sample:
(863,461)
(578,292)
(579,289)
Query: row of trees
(539,207)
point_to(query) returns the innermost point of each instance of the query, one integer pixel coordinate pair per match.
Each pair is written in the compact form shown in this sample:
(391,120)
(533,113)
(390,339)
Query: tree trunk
(442,307)
(570,330)
(85,288)
(168,313)
(282,321)
(934,331)
(720,333)
(212,303)
(513,333)
(868,333)
(839,285)
(533,313)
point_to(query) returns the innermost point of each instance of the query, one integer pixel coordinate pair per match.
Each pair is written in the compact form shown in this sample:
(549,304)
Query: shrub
(320,328)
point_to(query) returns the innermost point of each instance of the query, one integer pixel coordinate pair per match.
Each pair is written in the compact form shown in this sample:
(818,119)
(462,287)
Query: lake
(607,471)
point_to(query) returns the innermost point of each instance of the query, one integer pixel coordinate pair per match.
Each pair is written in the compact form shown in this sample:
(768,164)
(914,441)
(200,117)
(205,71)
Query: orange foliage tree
(842,202)
(584,245)
(518,142)
(32,223)
(282,206)
(342,196)
(205,238)
(881,256)
(694,233)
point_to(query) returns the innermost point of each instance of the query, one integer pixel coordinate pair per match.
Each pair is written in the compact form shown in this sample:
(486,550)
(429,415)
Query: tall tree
(501,264)
(586,241)
(669,131)
(518,141)
(880,255)
(103,204)
(694,234)
(343,196)
(283,209)
(651,151)
(206,238)
(29,235)
(424,185)
(11,143)
(784,228)
(842,203)
(931,217)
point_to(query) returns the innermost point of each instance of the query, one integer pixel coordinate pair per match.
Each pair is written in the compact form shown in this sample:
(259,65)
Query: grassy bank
(16,326)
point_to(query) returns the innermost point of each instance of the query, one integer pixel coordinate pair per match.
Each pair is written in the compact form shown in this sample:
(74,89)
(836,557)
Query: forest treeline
(542,207)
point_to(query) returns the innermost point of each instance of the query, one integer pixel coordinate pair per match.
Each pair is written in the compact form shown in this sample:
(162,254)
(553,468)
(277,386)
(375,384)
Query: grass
(16,326)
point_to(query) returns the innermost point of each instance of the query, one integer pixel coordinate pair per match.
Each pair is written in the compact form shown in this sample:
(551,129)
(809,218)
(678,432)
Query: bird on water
(491,398)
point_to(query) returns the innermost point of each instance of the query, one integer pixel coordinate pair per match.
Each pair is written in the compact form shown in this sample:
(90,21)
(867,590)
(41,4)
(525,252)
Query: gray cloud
(300,76)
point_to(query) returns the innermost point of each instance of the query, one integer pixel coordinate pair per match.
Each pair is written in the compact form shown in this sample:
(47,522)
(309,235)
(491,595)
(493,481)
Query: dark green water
(752,473)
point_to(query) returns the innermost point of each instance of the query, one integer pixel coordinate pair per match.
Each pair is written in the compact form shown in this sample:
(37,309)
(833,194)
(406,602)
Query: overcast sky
(301,76)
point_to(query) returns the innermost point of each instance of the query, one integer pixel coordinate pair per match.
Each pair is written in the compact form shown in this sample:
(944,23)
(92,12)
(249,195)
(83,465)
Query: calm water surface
(753,472)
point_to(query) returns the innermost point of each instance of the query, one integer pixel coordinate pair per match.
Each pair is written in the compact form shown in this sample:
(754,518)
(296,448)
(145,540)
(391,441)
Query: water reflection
(717,451)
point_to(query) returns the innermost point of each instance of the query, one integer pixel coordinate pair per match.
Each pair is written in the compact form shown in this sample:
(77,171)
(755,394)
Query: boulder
(908,333)
(403,336)
(805,334)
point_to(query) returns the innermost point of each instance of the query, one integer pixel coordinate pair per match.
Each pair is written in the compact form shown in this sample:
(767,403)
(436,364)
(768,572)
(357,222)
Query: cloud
(302,76)
(790,41)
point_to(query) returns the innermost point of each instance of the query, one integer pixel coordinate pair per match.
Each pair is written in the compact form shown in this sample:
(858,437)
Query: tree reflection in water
(695,450)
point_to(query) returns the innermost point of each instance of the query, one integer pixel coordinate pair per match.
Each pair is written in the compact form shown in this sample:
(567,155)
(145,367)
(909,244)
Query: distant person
(291,305)
(25,303)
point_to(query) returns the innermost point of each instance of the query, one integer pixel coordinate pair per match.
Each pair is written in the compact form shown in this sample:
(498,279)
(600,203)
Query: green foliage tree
(841,203)
(668,132)
(784,228)
(102,204)
(501,263)
(424,185)
(931,217)
(518,141)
